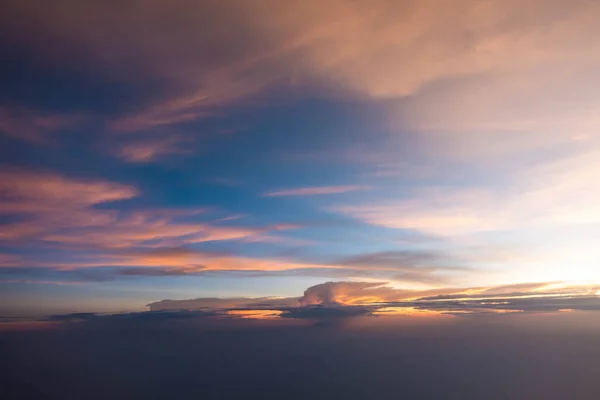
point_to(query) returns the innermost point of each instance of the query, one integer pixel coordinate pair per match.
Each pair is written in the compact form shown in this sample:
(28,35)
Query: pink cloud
(149,150)
(316,190)
(33,126)
(60,211)
(45,192)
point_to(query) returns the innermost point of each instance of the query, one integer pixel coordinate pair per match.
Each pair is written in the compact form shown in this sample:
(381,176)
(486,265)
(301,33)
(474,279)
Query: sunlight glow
(255,314)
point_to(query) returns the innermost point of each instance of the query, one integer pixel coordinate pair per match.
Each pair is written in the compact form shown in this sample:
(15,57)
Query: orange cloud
(364,293)
(255,314)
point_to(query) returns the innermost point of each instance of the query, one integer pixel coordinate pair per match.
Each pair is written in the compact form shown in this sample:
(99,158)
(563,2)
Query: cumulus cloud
(336,293)
(385,300)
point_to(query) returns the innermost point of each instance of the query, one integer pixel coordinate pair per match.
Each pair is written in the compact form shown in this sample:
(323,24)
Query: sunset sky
(387,156)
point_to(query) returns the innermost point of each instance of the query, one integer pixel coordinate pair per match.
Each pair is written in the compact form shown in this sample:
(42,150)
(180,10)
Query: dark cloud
(223,304)
(323,314)
(547,303)
(129,317)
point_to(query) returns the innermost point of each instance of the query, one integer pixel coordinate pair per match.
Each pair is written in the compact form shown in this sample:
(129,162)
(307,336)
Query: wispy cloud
(150,150)
(62,211)
(315,190)
(403,47)
(33,126)
(40,192)
(41,282)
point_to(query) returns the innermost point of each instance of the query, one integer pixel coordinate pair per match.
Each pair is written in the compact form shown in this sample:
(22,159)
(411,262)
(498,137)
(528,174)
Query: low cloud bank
(334,300)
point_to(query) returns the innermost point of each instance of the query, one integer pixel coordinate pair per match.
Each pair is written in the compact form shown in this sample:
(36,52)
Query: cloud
(48,201)
(10,260)
(317,190)
(337,293)
(51,210)
(33,126)
(130,260)
(415,266)
(186,263)
(150,150)
(549,194)
(336,301)
(45,192)
(374,49)
(223,304)
(379,294)
(40,282)
(95,260)
(52,201)
(62,210)
(134,317)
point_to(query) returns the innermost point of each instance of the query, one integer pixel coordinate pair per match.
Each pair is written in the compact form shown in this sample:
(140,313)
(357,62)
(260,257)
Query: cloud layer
(348,299)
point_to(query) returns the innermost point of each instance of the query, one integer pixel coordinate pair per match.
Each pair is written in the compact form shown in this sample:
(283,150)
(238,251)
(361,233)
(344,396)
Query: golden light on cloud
(255,314)
(408,311)
(417,312)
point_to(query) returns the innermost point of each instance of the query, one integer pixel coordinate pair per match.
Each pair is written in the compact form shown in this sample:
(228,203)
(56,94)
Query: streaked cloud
(33,126)
(40,282)
(315,190)
(548,194)
(93,260)
(148,150)
(62,210)
(221,304)
(42,192)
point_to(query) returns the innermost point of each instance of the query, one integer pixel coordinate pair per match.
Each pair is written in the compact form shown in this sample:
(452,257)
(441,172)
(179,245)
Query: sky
(257,159)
